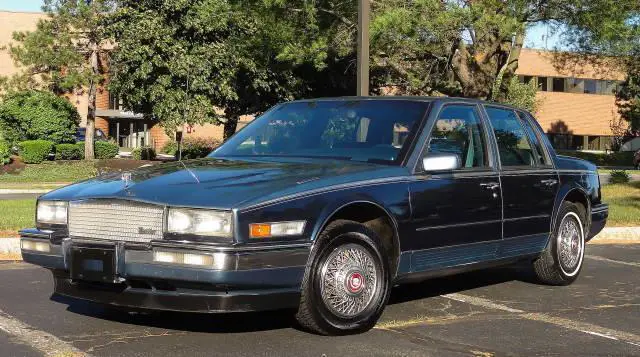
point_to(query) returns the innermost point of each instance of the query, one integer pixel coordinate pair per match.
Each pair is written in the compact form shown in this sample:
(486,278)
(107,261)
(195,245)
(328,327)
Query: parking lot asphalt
(497,312)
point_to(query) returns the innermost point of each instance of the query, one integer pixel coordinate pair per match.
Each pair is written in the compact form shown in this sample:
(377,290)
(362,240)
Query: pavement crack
(127,339)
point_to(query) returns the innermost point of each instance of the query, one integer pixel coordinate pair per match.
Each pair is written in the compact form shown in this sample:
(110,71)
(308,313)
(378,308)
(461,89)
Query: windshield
(360,130)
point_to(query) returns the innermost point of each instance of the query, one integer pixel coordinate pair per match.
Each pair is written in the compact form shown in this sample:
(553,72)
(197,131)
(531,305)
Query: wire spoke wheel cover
(570,244)
(349,280)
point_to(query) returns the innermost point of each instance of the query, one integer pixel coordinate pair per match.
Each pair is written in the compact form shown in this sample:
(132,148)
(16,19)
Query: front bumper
(248,279)
(599,215)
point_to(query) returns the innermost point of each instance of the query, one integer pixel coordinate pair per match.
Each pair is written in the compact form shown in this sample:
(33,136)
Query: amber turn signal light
(258,230)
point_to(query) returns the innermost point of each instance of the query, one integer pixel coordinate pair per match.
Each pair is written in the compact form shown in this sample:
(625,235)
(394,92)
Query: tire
(342,294)
(561,261)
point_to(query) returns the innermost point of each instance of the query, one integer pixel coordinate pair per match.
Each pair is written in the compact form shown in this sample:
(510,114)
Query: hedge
(143,153)
(192,148)
(622,158)
(70,151)
(105,150)
(36,115)
(35,151)
(5,153)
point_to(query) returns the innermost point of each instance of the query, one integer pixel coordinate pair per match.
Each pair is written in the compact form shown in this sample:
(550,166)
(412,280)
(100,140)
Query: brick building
(577,101)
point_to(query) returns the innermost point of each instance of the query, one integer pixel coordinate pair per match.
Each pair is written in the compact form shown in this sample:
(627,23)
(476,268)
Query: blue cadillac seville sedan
(323,206)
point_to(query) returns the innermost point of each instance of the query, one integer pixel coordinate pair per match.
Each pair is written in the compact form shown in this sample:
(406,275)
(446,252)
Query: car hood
(223,183)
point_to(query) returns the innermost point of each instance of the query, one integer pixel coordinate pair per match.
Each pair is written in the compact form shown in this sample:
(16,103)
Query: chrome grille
(117,220)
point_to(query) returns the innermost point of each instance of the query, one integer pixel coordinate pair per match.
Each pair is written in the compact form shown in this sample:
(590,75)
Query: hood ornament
(126,177)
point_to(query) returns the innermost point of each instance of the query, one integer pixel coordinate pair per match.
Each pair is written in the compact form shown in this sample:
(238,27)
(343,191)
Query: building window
(558,84)
(542,84)
(590,86)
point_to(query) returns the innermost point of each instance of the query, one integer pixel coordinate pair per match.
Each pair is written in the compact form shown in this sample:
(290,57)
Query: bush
(623,158)
(105,150)
(194,148)
(69,152)
(143,153)
(170,148)
(5,152)
(35,115)
(619,176)
(35,151)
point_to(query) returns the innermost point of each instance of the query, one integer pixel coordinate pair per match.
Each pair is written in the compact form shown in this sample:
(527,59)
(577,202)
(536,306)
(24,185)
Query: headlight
(51,212)
(199,221)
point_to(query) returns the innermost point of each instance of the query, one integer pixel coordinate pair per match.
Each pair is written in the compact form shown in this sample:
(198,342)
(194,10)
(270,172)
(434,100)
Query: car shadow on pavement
(280,319)
(466,281)
(184,321)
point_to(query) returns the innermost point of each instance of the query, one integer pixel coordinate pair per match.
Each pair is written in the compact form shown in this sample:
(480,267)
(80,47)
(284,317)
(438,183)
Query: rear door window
(541,158)
(513,144)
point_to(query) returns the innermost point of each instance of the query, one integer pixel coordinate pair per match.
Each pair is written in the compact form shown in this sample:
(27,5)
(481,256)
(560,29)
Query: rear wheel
(346,286)
(561,261)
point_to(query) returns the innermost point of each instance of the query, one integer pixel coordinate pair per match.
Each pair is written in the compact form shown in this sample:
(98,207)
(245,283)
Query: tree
(66,52)
(628,97)
(469,47)
(196,61)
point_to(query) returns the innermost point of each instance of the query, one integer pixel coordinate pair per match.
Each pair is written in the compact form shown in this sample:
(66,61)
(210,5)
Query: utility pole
(363,48)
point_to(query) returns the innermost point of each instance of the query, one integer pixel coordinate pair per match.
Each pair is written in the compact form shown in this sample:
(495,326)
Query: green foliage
(628,95)
(143,153)
(5,152)
(521,95)
(69,152)
(32,115)
(50,172)
(194,148)
(67,52)
(105,149)
(170,148)
(35,151)
(623,158)
(181,61)
(619,176)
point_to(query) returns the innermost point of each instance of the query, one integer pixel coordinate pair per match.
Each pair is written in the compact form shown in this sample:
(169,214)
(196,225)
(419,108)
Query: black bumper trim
(599,215)
(201,301)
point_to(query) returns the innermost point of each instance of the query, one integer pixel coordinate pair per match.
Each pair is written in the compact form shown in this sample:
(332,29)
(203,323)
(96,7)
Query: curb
(9,245)
(625,234)
(5,191)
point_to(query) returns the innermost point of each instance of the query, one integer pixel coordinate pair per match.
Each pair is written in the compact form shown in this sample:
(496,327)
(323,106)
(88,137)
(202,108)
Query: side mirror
(441,162)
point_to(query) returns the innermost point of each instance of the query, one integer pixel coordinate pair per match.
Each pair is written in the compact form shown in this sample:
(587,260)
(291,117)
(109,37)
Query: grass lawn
(15,215)
(608,171)
(624,204)
(49,172)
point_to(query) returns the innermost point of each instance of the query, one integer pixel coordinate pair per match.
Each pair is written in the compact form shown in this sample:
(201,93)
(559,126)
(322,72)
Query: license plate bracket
(96,264)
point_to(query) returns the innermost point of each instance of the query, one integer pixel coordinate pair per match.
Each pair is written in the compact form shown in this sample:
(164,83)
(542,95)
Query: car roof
(410,98)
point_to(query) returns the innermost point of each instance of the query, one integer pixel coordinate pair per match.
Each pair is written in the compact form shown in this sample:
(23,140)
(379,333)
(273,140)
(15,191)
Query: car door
(458,209)
(529,182)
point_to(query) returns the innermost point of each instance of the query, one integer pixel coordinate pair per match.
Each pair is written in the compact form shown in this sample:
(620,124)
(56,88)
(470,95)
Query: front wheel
(346,286)
(561,261)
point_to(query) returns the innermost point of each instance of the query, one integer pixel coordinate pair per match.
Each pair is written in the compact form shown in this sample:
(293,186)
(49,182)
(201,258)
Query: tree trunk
(230,126)
(91,109)
(508,68)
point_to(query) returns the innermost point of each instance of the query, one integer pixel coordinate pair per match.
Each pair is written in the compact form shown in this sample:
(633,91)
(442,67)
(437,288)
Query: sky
(538,36)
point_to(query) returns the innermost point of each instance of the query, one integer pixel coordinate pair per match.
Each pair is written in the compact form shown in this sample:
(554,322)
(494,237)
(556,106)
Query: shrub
(194,148)
(105,150)
(619,176)
(69,152)
(170,148)
(143,153)
(35,115)
(35,151)
(5,153)
(623,158)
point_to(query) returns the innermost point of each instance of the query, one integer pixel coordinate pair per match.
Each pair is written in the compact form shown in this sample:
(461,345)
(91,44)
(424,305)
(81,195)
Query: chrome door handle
(490,185)
(549,182)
